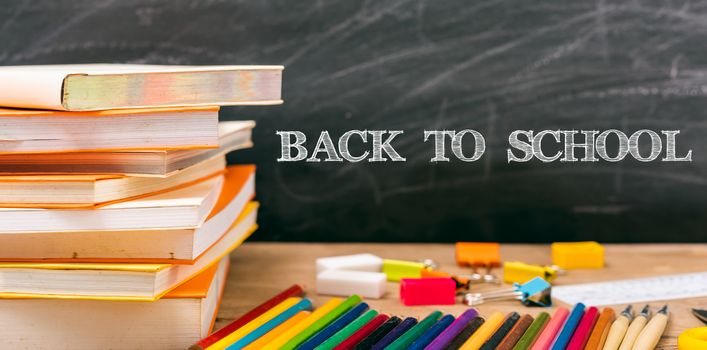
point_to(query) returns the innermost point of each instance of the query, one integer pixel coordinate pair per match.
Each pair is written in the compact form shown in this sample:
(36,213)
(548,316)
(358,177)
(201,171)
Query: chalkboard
(414,65)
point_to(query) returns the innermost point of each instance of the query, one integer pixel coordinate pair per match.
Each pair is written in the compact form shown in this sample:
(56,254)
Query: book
(182,208)
(33,131)
(175,246)
(115,281)
(91,191)
(181,317)
(233,135)
(113,86)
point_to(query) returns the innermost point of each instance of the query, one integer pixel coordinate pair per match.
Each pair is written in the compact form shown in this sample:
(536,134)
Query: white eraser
(356,262)
(345,283)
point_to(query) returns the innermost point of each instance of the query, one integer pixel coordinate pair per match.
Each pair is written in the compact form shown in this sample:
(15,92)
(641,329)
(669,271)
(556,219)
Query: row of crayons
(287,322)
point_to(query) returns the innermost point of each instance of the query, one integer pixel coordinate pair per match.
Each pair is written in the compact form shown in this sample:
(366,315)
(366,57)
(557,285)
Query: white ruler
(689,285)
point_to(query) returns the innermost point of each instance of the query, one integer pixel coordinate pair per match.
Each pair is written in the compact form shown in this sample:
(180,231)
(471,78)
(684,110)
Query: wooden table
(260,270)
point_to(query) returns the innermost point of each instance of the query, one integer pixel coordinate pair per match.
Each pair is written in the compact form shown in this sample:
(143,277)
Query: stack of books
(117,209)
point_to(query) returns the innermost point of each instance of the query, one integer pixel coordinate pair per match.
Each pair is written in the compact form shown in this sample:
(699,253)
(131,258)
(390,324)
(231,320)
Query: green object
(528,338)
(319,324)
(347,331)
(397,269)
(415,332)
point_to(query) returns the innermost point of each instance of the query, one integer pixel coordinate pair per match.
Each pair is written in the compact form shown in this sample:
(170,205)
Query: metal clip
(536,292)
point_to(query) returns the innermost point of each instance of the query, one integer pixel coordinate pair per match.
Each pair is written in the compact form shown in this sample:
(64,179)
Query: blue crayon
(334,327)
(304,304)
(432,333)
(568,329)
(395,333)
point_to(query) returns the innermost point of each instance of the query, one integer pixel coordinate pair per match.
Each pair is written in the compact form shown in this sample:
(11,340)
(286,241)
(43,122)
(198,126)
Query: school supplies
(427,291)
(344,282)
(618,328)
(116,86)
(347,331)
(495,339)
(553,328)
(363,332)
(477,254)
(563,338)
(140,163)
(584,329)
(578,255)
(399,269)
(257,322)
(320,312)
(318,324)
(512,337)
(466,333)
(693,339)
(536,292)
(356,262)
(184,315)
(448,335)
(276,332)
(700,314)
(635,328)
(533,331)
(431,334)
(601,329)
(334,327)
(378,333)
(304,304)
(651,333)
(416,331)
(293,291)
(518,272)
(669,287)
(395,333)
(484,332)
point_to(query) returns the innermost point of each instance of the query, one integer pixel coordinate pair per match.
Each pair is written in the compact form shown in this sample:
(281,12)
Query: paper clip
(518,272)
(427,291)
(536,292)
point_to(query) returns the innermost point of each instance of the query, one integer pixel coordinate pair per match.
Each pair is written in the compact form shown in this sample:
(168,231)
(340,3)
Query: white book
(88,87)
(176,321)
(115,281)
(183,208)
(233,135)
(177,245)
(35,131)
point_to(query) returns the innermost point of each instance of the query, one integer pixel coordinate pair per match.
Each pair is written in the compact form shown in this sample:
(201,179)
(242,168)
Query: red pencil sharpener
(428,291)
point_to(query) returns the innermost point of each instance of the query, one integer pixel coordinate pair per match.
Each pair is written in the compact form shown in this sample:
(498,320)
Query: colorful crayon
(293,291)
(568,329)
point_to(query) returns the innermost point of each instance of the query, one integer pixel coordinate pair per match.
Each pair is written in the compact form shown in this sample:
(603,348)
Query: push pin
(535,292)
(479,255)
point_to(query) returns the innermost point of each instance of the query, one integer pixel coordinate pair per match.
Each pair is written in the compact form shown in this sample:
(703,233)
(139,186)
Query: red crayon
(294,291)
(581,334)
(362,333)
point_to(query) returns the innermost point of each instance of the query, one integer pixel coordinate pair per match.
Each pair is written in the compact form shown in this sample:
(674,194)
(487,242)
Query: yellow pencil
(484,332)
(299,327)
(268,337)
(250,326)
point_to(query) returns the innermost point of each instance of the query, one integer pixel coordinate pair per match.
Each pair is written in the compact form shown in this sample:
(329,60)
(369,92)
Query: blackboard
(492,66)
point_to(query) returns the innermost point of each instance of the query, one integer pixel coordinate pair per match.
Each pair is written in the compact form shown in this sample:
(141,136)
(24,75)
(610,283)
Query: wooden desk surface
(261,270)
